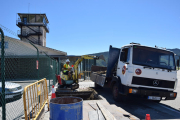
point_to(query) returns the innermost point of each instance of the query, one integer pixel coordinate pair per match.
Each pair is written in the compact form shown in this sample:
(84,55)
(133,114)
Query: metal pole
(3,77)
(179,62)
(84,68)
(54,70)
(88,67)
(59,66)
(37,62)
(49,73)
(94,62)
(37,58)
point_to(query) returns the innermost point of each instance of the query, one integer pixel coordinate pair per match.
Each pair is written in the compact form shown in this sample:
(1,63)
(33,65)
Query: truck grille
(153,82)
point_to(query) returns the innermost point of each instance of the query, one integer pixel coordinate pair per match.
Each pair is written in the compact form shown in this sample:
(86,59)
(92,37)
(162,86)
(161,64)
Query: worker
(67,68)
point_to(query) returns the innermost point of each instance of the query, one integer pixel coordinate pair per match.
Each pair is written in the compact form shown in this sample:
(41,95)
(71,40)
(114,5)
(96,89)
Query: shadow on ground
(141,107)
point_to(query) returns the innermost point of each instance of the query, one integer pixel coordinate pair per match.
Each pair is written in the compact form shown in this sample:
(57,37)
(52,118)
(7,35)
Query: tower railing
(19,21)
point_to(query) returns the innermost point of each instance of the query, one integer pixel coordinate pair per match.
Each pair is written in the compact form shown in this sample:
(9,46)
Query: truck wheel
(157,101)
(98,86)
(116,96)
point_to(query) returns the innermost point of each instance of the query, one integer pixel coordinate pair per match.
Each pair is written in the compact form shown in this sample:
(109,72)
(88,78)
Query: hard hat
(67,60)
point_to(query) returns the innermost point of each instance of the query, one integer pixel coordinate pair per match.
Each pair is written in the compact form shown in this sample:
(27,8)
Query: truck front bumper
(145,92)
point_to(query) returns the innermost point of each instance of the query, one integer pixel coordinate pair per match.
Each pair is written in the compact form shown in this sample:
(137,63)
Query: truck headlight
(134,91)
(172,94)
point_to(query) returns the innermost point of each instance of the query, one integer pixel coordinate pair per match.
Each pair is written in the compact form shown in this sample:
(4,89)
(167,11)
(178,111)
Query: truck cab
(145,71)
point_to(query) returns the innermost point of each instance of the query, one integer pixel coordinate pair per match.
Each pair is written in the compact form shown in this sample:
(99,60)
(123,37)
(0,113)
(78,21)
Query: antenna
(28,7)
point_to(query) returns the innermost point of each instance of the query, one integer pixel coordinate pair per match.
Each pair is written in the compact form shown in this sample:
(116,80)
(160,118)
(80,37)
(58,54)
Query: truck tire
(116,96)
(98,86)
(156,101)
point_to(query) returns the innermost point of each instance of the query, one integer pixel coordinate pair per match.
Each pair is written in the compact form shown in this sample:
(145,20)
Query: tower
(33,27)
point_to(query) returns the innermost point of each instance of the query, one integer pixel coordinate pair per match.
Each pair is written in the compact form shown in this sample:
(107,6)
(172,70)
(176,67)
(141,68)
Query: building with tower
(33,27)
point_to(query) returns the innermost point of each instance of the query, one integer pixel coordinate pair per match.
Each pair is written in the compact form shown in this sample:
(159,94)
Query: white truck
(147,72)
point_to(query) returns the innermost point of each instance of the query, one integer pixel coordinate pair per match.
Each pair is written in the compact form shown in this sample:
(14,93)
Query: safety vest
(67,66)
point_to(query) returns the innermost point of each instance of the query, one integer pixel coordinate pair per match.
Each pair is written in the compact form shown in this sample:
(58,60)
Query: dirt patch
(85,94)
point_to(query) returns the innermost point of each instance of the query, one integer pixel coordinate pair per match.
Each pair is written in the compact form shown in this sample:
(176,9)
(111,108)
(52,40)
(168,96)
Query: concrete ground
(117,112)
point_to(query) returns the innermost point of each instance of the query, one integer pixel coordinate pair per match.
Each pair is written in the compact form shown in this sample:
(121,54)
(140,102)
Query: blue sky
(89,26)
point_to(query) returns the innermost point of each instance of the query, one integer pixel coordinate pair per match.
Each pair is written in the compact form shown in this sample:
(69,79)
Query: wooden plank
(93,115)
(100,115)
(86,109)
(93,105)
(106,113)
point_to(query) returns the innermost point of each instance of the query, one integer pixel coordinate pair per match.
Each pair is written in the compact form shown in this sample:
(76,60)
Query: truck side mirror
(177,63)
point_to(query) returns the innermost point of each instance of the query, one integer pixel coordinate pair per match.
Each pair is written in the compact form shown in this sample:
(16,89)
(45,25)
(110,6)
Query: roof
(160,48)
(39,46)
(50,48)
(34,14)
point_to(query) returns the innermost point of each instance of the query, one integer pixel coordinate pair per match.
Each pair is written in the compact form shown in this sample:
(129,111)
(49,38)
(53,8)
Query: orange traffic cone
(53,95)
(148,117)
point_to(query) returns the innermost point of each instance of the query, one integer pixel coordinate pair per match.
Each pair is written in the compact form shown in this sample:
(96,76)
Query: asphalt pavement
(169,109)
(15,108)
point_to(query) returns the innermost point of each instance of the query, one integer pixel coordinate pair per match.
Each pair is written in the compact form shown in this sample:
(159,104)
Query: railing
(47,27)
(20,21)
(26,33)
(35,97)
(19,32)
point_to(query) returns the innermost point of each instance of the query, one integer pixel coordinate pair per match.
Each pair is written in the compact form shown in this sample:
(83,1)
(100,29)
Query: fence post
(84,68)
(54,71)
(3,100)
(37,58)
(94,62)
(179,63)
(49,74)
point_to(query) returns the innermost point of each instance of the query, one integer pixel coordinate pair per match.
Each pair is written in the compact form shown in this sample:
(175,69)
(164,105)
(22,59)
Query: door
(124,64)
(25,20)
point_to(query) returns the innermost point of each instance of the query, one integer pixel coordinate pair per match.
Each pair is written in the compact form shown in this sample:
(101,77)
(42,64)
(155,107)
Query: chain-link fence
(21,64)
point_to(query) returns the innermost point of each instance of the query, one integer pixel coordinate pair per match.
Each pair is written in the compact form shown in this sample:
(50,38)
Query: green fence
(21,64)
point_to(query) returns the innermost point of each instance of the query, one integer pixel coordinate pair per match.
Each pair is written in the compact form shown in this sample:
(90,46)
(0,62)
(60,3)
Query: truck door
(123,65)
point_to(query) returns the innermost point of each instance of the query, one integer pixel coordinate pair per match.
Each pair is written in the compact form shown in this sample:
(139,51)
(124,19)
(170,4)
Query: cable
(15,34)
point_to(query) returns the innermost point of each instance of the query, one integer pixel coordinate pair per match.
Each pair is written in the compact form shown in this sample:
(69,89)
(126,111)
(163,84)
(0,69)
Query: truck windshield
(155,58)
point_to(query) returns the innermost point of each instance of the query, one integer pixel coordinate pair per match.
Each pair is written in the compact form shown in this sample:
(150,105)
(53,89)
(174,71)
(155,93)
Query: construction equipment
(71,82)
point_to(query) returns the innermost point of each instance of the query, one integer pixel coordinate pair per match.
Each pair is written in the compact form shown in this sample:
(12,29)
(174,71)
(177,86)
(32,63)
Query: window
(32,18)
(39,18)
(44,21)
(167,60)
(152,57)
(124,55)
(163,60)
